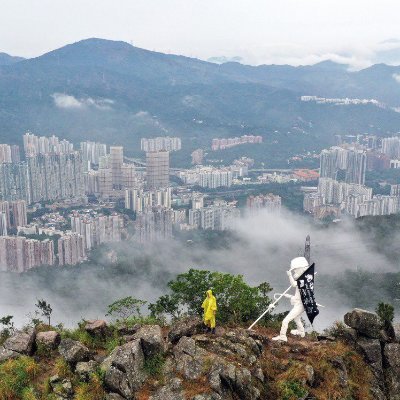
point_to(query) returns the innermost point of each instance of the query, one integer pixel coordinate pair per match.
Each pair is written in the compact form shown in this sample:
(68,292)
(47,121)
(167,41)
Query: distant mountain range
(6,59)
(117,93)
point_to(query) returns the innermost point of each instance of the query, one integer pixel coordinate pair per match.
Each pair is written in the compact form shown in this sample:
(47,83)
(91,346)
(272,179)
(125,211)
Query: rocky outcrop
(73,351)
(171,391)
(151,339)
(377,343)
(96,327)
(366,323)
(49,339)
(21,342)
(185,327)
(124,372)
(84,370)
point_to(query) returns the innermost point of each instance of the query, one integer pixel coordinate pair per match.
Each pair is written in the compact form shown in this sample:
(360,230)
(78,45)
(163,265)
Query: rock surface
(364,322)
(84,370)
(96,327)
(48,339)
(73,351)
(21,342)
(124,372)
(151,339)
(6,354)
(185,327)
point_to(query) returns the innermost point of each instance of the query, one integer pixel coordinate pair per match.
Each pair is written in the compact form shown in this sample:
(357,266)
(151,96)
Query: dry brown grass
(284,363)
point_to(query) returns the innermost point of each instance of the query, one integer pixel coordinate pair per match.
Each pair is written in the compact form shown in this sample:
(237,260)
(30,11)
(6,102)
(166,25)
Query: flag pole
(269,308)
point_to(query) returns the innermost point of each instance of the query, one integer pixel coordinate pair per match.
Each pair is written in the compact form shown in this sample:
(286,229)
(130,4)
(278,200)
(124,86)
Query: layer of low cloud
(261,250)
(396,77)
(66,101)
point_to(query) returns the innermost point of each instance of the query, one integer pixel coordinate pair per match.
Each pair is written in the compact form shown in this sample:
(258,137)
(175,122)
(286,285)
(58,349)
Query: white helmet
(298,266)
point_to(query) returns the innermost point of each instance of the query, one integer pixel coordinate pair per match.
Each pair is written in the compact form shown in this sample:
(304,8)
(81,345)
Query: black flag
(305,283)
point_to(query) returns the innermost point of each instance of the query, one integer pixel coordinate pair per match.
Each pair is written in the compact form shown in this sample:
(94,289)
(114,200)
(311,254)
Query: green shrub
(154,365)
(237,301)
(386,313)
(291,390)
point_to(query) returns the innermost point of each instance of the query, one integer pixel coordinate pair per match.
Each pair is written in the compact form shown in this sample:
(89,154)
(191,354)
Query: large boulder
(185,327)
(365,323)
(73,351)
(124,373)
(96,327)
(85,369)
(21,342)
(151,339)
(228,380)
(6,354)
(49,340)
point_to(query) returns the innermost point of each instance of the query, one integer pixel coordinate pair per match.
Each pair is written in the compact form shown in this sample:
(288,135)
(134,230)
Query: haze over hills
(114,92)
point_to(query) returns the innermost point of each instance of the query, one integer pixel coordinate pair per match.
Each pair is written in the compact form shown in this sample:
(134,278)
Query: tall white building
(139,200)
(71,249)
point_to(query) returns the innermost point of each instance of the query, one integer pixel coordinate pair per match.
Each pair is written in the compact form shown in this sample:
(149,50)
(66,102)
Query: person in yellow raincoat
(210,310)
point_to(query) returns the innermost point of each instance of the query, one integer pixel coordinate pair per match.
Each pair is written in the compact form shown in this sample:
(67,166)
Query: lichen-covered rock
(371,350)
(96,327)
(21,342)
(392,372)
(125,329)
(6,354)
(185,327)
(230,381)
(48,339)
(73,351)
(189,358)
(171,391)
(364,322)
(151,339)
(84,370)
(124,373)
(63,389)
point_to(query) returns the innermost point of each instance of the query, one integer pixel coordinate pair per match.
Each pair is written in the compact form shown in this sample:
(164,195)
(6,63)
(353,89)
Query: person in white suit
(297,267)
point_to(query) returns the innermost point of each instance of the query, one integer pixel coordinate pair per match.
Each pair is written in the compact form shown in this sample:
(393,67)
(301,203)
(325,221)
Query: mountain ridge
(154,94)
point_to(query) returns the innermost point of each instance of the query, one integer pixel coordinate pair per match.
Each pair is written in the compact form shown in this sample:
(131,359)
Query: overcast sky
(258,31)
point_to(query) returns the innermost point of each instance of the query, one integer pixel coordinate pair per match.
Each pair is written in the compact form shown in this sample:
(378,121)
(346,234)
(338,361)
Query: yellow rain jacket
(209,305)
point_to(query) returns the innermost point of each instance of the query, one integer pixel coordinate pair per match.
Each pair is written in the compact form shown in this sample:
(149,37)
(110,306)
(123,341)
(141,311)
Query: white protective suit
(297,267)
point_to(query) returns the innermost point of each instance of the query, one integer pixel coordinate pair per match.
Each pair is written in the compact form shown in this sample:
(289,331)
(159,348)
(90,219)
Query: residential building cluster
(341,186)
(97,229)
(165,143)
(226,143)
(219,216)
(207,177)
(264,202)
(12,215)
(18,254)
(92,153)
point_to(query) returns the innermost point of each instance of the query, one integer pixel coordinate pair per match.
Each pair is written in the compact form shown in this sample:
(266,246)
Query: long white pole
(269,308)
